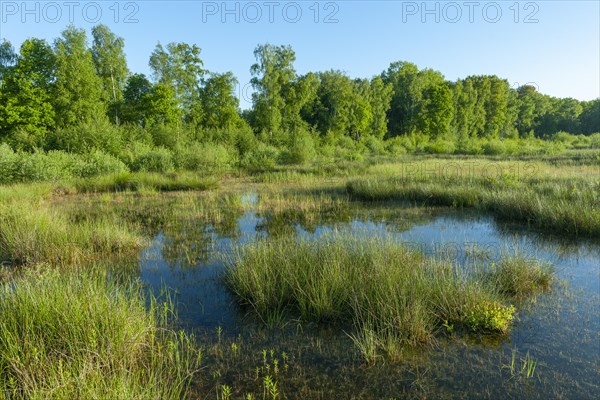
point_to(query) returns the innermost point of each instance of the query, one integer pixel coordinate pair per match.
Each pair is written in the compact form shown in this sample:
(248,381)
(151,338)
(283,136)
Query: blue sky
(552,44)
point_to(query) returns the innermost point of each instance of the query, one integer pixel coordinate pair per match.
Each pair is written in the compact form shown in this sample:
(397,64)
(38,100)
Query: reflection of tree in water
(189,237)
(283,221)
(187,244)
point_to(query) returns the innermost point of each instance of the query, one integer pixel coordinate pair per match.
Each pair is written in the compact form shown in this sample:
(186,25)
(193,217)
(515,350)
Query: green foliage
(272,73)
(219,103)
(490,316)
(26,95)
(179,69)
(83,137)
(440,147)
(261,158)
(301,150)
(109,58)
(206,157)
(78,89)
(54,165)
(157,159)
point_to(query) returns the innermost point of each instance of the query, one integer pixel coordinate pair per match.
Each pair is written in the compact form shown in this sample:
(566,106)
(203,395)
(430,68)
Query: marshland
(402,236)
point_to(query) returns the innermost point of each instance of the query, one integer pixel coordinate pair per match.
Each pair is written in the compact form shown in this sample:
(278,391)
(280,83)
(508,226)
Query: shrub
(564,138)
(470,146)
(204,157)
(374,145)
(100,134)
(301,149)
(156,160)
(440,147)
(494,147)
(595,140)
(99,163)
(394,146)
(9,161)
(262,158)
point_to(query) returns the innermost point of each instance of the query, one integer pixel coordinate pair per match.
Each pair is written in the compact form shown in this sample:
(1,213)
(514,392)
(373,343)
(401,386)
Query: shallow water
(560,330)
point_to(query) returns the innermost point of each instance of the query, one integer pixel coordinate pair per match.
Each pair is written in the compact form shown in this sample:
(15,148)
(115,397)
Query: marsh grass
(518,276)
(564,204)
(34,232)
(80,335)
(145,182)
(391,295)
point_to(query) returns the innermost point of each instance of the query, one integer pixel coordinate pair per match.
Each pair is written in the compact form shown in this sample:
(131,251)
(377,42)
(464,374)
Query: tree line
(47,87)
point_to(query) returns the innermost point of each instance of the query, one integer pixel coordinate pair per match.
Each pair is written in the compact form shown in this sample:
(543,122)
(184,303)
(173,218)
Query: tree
(403,108)
(562,115)
(341,106)
(78,95)
(589,119)
(136,89)
(8,58)
(160,106)
(111,66)
(219,103)
(532,107)
(436,111)
(180,68)
(26,97)
(379,97)
(272,73)
(297,95)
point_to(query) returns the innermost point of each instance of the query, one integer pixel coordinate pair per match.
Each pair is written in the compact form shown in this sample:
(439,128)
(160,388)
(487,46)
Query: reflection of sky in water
(561,329)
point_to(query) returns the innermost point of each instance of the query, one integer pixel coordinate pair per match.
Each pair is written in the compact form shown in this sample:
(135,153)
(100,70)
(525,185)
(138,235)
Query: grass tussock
(392,295)
(519,276)
(75,336)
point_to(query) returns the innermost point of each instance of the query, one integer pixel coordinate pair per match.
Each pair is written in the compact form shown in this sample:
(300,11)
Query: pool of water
(560,330)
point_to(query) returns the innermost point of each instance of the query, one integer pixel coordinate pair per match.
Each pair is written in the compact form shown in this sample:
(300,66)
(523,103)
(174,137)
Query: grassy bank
(65,335)
(68,329)
(391,295)
(563,199)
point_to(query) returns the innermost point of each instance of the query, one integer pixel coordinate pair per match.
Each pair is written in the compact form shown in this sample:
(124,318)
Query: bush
(301,149)
(394,146)
(440,147)
(494,147)
(374,145)
(82,138)
(595,141)
(564,137)
(9,161)
(204,157)
(99,163)
(54,165)
(262,158)
(156,160)
(471,146)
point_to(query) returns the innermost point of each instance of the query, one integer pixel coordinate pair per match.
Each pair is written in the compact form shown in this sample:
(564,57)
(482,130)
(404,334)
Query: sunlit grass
(80,335)
(392,295)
